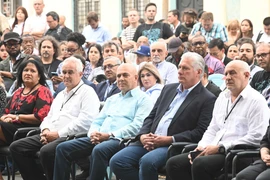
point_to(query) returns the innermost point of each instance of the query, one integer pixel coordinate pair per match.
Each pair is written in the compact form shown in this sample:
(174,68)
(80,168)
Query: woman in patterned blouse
(29,105)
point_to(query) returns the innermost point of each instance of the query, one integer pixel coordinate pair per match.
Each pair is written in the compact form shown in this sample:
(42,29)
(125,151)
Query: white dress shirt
(36,23)
(74,115)
(246,124)
(168,72)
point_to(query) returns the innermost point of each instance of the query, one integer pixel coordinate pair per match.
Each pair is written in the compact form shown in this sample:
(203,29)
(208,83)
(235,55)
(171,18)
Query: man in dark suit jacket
(107,88)
(181,114)
(217,49)
(208,84)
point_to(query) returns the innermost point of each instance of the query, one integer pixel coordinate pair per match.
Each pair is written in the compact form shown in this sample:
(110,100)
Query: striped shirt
(128,33)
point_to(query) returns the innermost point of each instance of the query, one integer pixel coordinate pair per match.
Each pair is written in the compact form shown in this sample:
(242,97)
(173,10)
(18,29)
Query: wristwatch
(221,149)
(17,117)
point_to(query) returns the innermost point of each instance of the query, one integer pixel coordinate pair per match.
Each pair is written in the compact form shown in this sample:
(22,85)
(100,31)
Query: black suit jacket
(213,88)
(191,119)
(101,89)
(226,60)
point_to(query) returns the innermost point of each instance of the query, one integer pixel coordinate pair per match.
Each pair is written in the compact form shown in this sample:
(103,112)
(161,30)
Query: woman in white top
(94,56)
(20,16)
(150,81)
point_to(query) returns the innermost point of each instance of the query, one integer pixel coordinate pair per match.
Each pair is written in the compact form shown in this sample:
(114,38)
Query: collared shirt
(168,72)
(215,66)
(36,23)
(217,31)
(123,115)
(165,121)
(74,115)
(153,92)
(18,28)
(98,35)
(246,124)
(108,89)
(174,28)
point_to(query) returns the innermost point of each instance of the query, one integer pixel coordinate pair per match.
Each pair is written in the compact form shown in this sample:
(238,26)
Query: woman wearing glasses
(150,81)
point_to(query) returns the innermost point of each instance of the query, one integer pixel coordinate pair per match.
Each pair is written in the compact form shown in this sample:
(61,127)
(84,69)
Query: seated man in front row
(240,116)
(181,114)
(72,112)
(121,117)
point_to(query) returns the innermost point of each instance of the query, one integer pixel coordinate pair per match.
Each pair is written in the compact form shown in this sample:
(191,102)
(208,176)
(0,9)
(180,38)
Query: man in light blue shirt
(122,116)
(95,32)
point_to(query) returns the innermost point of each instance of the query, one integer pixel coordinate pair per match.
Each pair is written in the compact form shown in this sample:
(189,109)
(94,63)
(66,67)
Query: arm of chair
(189,147)
(177,148)
(23,132)
(80,135)
(243,154)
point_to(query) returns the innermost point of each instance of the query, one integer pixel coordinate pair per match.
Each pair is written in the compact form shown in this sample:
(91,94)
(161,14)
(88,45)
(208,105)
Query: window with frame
(82,8)
(134,4)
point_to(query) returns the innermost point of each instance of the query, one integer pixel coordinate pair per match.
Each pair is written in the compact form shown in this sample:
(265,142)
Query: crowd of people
(156,81)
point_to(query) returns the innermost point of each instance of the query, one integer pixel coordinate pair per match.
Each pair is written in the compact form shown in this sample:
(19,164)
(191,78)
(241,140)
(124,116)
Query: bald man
(240,116)
(122,116)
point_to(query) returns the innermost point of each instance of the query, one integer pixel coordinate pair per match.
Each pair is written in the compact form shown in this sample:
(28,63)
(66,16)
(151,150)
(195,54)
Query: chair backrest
(217,79)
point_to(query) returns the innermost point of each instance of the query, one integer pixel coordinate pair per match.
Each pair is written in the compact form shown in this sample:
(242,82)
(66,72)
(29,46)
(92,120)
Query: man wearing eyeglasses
(9,67)
(199,45)
(261,79)
(109,87)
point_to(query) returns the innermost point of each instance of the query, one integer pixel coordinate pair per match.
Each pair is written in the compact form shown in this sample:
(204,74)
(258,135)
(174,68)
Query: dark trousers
(258,170)
(204,167)
(24,151)
(73,150)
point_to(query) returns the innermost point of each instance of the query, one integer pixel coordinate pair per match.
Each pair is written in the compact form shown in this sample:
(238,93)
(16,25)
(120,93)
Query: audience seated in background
(244,123)
(150,81)
(208,84)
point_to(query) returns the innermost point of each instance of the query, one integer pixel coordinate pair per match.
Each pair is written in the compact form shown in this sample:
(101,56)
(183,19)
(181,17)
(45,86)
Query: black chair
(5,152)
(231,159)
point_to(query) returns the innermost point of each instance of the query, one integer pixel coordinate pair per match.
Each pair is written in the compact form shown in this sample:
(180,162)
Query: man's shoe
(83,175)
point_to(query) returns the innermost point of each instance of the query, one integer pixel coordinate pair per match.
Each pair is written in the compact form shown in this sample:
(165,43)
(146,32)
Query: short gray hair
(197,61)
(76,61)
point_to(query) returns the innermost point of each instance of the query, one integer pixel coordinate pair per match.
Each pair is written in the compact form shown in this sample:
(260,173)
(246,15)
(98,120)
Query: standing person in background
(95,32)
(62,20)
(4,26)
(20,17)
(173,19)
(128,33)
(58,32)
(246,29)
(125,24)
(152,29)
(264,35)
(36,25)
(233,31)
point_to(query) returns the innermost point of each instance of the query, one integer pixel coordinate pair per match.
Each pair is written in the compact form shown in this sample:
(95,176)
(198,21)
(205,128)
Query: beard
(247,60)
(156,60)
(45,54)
(14,54)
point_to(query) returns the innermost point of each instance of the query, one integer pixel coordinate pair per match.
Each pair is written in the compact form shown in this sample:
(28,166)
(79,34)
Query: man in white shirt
(240,116)
(264,35)
(173,19)
(72,112)
(167,70)
(36,25)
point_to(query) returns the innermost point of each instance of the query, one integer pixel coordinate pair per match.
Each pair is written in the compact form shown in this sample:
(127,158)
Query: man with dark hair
(263,36)
(49,50)
(173,19)
(151,29)
(58,32)
(247,53)
(28,44)
(217,49)
(9,66)
(199,45)
(208,84)
(95,32)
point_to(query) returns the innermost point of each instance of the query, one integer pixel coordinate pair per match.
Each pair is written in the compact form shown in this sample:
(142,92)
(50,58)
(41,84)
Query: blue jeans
(135,162)
(70,151)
